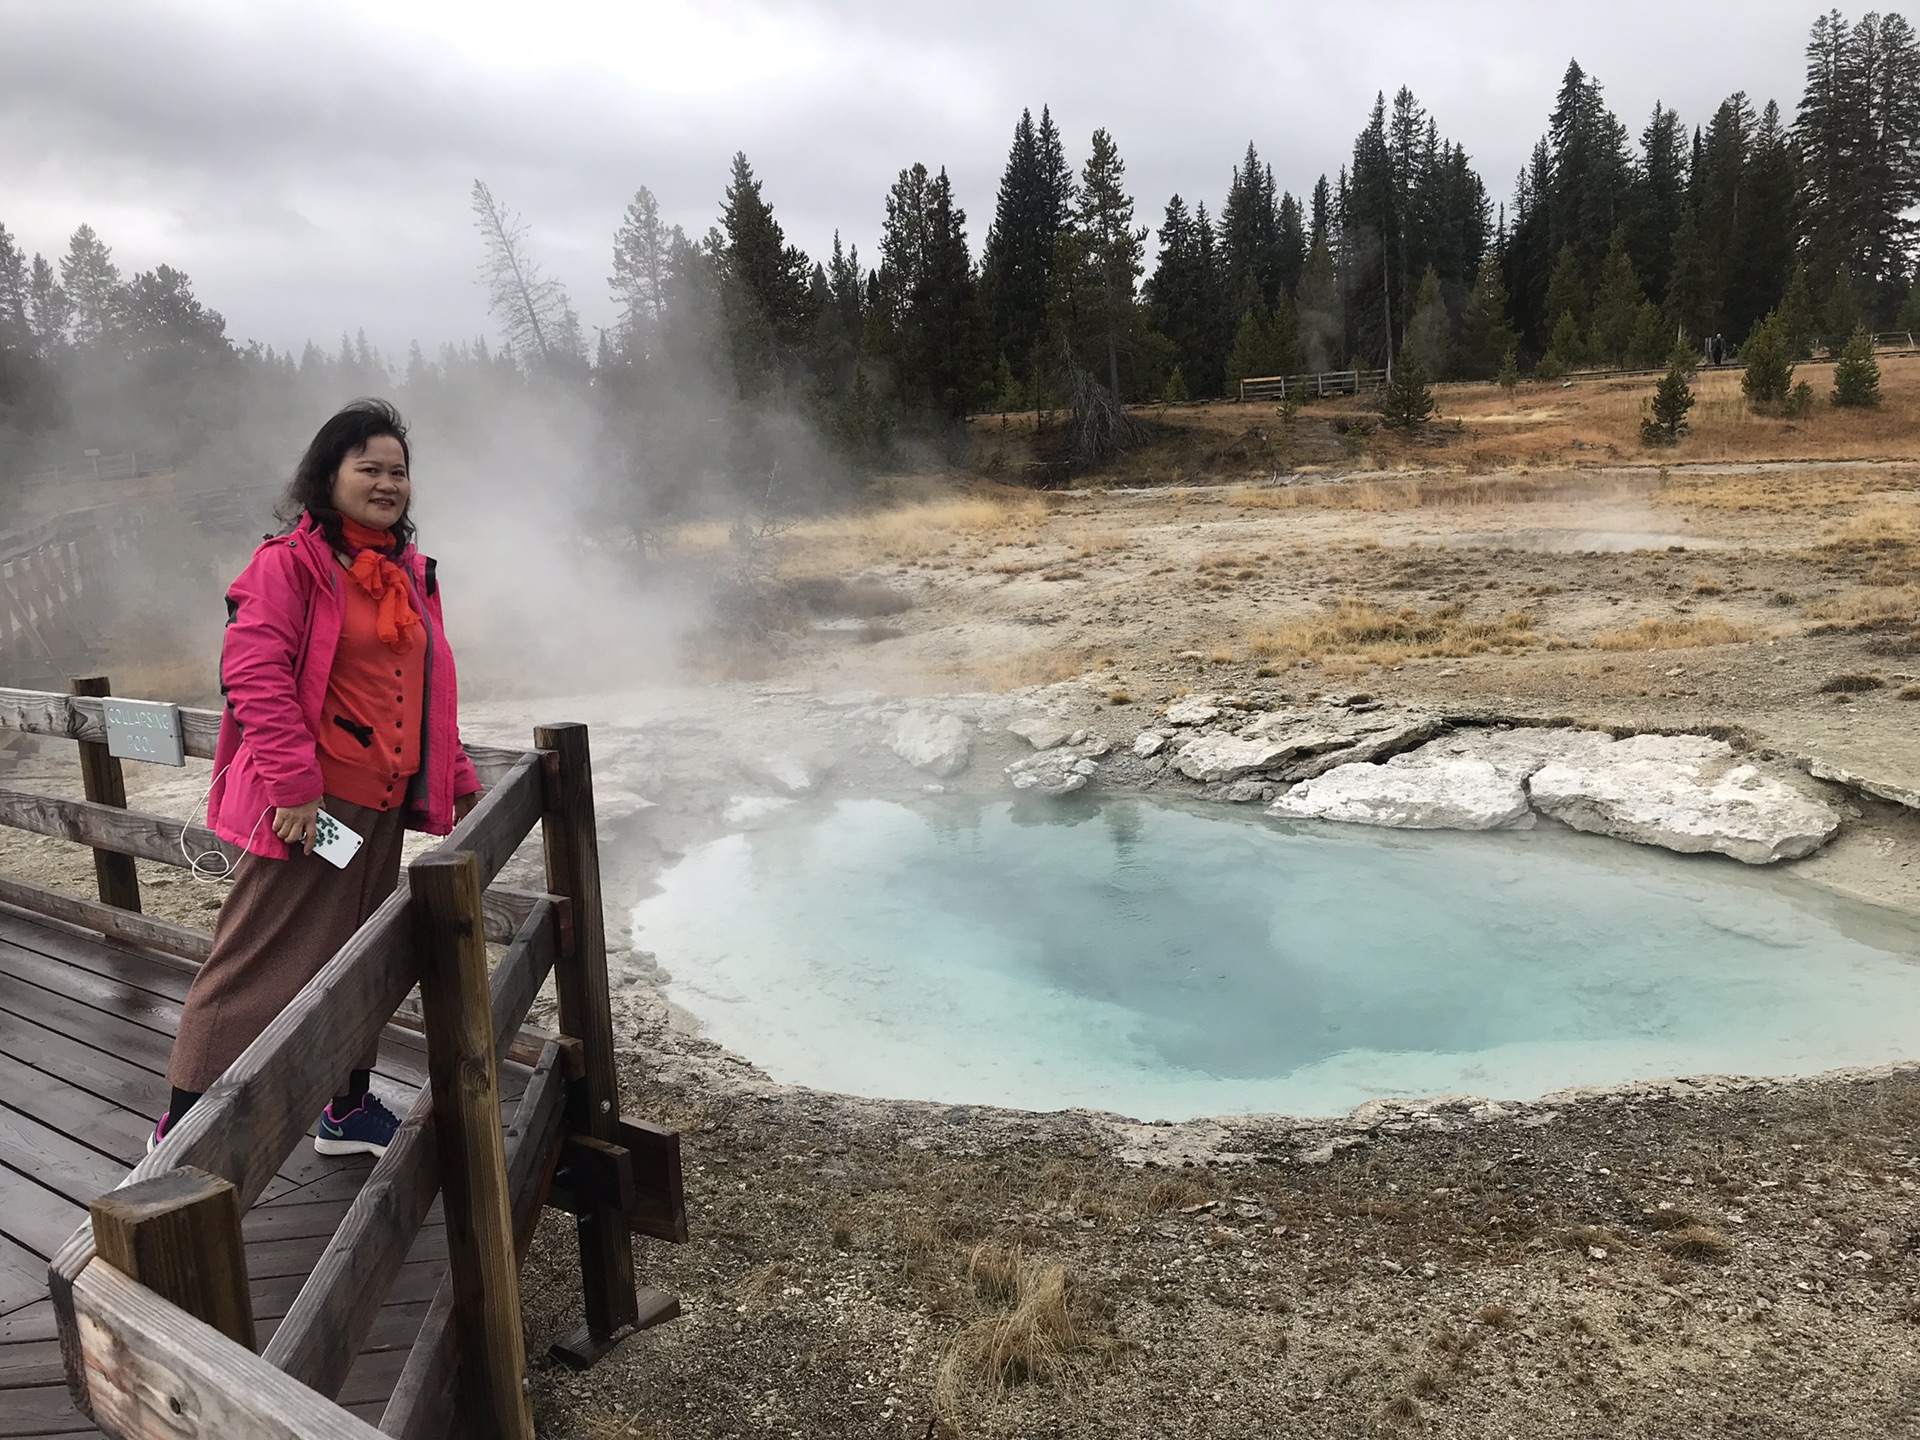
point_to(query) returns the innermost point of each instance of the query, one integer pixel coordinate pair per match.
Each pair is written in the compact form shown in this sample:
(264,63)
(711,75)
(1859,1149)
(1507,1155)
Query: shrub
(1509,376)
(1856,374)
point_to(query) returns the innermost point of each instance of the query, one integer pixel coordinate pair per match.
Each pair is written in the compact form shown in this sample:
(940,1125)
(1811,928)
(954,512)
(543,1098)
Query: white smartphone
(334,842)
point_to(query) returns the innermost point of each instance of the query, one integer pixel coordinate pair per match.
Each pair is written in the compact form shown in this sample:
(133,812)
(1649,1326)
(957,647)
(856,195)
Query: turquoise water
(1167,962)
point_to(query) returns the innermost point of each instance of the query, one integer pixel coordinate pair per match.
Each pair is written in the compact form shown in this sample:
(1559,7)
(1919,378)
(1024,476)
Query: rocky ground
(1705,1257)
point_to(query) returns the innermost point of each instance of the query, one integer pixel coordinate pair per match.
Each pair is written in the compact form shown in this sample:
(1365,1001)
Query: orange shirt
(369,739)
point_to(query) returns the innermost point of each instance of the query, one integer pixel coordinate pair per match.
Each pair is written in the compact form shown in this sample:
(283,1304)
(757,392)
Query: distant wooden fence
(1318,385)
(53,592)
(95,466)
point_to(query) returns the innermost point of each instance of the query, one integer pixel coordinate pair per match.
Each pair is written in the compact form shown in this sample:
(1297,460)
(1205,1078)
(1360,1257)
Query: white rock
(1149,743)
(744,812)
(1193,710)
(1052,772)
(1094,745)
(1043,732)
(1314,743)
(1687,793)
(1515,753)
(1227,757)
(1443,793)
(790,774)
(926,740)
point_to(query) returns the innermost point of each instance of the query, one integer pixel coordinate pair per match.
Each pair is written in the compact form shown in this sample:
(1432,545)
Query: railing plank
(105,784)
(161,935)
(323,1331)
(466,1105)
(504,817)
(153,1372)
(328,1321)
(520,974)
(80,717)
(127,832)
(422,1403)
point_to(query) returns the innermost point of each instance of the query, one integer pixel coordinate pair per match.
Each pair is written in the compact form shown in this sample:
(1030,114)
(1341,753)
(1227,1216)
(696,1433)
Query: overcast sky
(309,165)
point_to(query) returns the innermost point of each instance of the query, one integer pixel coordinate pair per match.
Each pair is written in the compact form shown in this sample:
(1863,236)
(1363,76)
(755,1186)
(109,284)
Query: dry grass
(1880,527)
(1362,630)
(1683,634)
(1696,1242)
(917,531)
(1001,673)
(1413,493)
(1868,607)
(1811,489)
(1034,1330)
(1852,684)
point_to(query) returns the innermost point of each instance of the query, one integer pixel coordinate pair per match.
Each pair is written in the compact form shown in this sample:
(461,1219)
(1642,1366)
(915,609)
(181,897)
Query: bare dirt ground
(1722,1258)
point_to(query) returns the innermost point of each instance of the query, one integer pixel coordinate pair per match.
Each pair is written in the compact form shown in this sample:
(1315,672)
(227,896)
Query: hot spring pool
(1168,961)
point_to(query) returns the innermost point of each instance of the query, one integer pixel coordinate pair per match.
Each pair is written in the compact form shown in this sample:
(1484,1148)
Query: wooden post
(178,1234)
(106,785)
(450,943)
(593,1101)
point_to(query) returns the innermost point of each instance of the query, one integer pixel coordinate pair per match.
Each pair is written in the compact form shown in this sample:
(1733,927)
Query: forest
(1611,247)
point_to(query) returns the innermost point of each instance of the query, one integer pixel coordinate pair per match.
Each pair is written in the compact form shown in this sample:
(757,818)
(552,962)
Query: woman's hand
(298,825)
(463,804)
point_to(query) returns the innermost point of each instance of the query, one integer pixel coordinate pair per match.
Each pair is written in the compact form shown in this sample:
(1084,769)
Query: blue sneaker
(365,1131)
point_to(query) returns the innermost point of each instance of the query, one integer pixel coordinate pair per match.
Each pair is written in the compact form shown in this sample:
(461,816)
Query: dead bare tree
(1098,426)
(537,321)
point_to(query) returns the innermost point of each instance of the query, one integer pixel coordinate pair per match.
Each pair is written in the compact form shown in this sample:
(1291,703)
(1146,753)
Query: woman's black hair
(346,434)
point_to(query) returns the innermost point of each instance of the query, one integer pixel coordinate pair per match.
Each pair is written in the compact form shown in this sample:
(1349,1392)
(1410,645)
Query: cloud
(309,166)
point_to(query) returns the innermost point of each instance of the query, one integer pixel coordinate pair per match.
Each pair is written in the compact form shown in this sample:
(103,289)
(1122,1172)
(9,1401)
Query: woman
(340,697)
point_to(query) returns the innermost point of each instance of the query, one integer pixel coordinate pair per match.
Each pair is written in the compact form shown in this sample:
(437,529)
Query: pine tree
(1766,242)
(49,309)
(16,325)
(1408,402)
(1769,365)
(1428,341)
(1176,391)
(1322,321)
(1842,315)
(1250,237)
(1508,376)
(1564,348)
(1033,207)
(1672,399)
(92,284)
(1567,293)
(1658,195)
(1856,374)
(1104,218)
(764,287)
(1247,359)
(1485,335)
(639,280)
(1909,317)
(1651,337)
(1799,320)
(1616,306)
(1860,165)
(537,321)
(1691,305)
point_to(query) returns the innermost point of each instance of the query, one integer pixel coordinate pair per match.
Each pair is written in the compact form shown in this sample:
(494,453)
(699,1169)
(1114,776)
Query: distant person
(341,703)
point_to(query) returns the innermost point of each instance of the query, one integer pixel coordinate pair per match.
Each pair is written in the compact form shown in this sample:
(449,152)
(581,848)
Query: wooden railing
(152,1336)
(1317,385)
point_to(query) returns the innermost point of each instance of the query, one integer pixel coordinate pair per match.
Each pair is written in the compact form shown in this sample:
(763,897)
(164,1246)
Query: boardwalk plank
(42,1410)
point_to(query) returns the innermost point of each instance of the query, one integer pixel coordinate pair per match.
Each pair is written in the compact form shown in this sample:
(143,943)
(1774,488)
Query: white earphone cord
(210,875)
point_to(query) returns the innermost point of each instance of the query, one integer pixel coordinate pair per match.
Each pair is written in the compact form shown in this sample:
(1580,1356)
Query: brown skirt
(280,923)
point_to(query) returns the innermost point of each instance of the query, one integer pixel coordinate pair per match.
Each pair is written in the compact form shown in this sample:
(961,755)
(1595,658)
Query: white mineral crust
(1687,793)
(938,744)
(1441,792)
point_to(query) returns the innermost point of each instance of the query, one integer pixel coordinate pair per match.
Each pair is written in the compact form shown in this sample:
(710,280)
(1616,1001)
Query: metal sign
(144,730)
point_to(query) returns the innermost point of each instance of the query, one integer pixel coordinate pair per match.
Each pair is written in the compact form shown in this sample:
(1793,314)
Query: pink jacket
(284,615)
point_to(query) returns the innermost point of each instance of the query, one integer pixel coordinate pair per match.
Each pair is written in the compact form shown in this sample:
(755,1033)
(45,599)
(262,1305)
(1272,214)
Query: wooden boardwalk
(85,1028)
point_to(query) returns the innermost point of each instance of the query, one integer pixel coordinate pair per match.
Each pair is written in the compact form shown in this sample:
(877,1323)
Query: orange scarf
(385,583)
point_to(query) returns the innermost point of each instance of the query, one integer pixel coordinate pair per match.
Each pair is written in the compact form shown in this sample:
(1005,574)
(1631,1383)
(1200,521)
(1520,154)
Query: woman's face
(372,486)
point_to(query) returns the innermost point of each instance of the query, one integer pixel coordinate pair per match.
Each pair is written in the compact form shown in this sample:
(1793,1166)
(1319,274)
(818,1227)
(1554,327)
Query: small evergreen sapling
(1509,376)
(1408,401)
(1672,399)
(1769,365)
(1856,374)
(1176,391)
